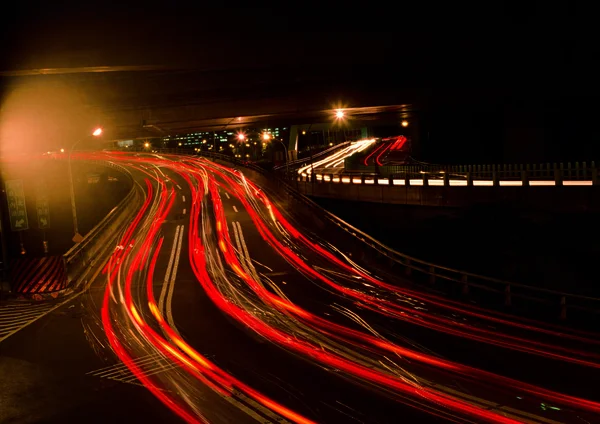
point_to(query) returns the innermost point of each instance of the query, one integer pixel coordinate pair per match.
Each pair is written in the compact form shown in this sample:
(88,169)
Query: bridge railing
(506,295)
(85,256)
(570,173)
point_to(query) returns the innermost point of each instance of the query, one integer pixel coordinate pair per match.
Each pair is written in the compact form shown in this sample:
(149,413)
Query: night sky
(498,81)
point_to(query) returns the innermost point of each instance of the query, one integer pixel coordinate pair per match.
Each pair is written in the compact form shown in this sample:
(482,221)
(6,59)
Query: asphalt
(46,369)
(60,369)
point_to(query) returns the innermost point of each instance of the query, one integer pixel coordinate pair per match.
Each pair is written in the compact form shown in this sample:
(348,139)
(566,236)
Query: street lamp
(77,237)
(266,136)
(146,145)
(339,114)
(404,123)
(241,136)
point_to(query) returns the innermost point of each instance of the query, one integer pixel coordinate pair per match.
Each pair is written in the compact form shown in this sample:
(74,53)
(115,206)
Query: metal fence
(556,172)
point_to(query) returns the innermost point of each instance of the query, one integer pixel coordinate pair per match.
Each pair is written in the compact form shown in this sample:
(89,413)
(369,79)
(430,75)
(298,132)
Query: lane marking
(40,307)
(245,255)
(172,284)
(183,198)
(227,194)
(178,186)
(184,211)
(234,208)
(163,292)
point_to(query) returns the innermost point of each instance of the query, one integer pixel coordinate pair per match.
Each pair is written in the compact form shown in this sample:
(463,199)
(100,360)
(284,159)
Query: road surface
(225,302)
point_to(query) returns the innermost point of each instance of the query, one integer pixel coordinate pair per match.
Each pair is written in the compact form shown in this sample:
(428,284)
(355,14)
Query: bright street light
(146,145)
(266,136)
(77,237)
(404,123)
(339,114)
(62,150)
(241,136)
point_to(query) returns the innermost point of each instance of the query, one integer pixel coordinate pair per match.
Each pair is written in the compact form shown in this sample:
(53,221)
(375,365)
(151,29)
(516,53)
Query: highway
(334,163)
(225,302)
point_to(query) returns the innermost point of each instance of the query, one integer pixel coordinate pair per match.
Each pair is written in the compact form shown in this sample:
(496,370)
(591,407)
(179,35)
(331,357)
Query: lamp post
(287,170)
(77,237)
(266,137)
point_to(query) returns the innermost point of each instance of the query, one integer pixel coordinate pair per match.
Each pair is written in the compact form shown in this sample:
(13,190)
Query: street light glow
(97,132)
(266,136)
(62,150)
(146,145)
(404,123)
(339,114)
(241,136)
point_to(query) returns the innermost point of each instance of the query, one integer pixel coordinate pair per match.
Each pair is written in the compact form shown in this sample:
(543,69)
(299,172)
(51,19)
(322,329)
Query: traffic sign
(42,205)
(17,210)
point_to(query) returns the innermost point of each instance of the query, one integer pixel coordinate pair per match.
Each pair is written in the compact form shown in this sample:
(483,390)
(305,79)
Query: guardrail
(82,257)
(447,179)
(569,170)
(518,297)
(555,174)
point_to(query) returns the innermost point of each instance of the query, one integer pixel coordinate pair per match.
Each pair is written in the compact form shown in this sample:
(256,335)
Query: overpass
(570,186)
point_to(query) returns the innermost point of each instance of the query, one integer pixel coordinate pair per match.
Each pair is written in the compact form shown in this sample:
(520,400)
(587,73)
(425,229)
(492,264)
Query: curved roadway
(228,303)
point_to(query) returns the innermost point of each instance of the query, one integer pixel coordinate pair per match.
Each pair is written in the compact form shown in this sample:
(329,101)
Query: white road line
(227,194)
(183,198)
(172,285)
(178,186)
(234,208)
(43,308)
(184,211)
(19,315)
(163,292)
(246,254)
(240,249)
(136,361)
(12,328)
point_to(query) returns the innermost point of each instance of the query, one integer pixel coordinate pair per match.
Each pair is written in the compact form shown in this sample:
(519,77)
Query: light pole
(287,169)
(266,137)
(77,237)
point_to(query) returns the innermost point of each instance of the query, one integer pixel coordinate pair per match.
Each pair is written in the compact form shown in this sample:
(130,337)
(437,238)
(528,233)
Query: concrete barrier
(87,255)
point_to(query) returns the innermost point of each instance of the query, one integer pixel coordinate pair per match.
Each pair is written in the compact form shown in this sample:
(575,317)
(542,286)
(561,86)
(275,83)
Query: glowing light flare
(97,132)
(339,114)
